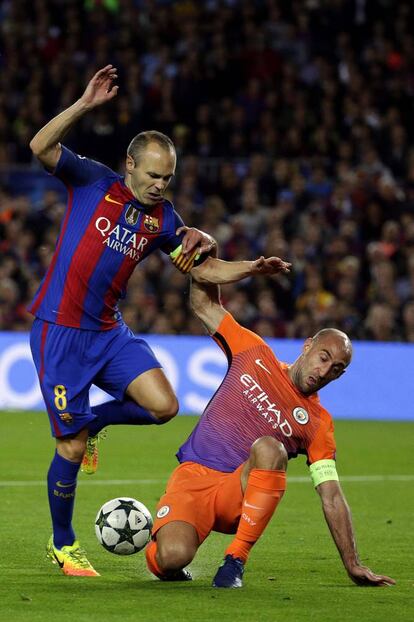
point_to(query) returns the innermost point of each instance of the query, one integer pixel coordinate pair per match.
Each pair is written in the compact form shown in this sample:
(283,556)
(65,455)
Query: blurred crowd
(294,128)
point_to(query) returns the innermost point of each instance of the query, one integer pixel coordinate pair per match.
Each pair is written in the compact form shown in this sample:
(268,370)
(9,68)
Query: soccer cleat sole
(179,575)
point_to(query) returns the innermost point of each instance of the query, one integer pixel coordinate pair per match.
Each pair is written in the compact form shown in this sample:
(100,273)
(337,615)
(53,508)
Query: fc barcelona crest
(131,215)
(150,223)
(66,418)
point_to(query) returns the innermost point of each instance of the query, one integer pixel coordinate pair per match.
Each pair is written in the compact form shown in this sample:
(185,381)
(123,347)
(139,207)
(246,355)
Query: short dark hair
(143,139)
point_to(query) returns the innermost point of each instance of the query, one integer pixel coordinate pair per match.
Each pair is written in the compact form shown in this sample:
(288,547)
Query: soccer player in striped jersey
(111,224)
(232,472)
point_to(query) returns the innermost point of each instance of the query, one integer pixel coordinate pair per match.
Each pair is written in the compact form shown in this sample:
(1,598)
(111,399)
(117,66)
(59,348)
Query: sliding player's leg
(185,517)
(173,549)
(263,481)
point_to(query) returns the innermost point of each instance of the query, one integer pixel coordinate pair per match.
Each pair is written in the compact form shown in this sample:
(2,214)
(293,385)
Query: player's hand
(101,87)
(361,575)
(193,238)
(270,265)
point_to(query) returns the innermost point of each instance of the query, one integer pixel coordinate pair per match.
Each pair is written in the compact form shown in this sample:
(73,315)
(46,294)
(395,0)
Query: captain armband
(323,471)
(184,263)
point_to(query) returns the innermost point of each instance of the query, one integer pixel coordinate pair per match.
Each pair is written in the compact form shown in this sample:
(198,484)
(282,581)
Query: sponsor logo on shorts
(300,415)
(66,418)
(163,511)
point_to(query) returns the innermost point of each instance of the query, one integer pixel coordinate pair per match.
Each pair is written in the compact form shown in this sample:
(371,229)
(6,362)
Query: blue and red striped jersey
(105,233)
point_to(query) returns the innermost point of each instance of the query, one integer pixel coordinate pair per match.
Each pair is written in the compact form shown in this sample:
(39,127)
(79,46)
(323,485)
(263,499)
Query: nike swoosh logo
(249,505)
(58,561)
(111,200)
(260,364)
(59,483)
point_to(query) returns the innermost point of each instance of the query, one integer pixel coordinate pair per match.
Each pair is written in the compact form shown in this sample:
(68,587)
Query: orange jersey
(256,398)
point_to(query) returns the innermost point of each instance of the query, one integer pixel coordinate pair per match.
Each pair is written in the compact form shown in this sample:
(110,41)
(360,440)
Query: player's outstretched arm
(219,272)
(46,143)
(338,517)
(206,305)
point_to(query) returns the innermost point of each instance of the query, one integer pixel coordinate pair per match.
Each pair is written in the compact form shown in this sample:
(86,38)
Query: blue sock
(61,485)
(117,413)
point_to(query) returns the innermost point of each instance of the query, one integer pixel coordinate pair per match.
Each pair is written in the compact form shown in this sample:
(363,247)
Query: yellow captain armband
(184,263)
(323,471)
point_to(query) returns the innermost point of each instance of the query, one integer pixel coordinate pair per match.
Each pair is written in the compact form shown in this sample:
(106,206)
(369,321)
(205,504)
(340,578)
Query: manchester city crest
(301,415)
(131,215)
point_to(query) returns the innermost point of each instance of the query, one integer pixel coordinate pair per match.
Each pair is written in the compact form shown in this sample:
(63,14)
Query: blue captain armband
(323,471)
(184,263)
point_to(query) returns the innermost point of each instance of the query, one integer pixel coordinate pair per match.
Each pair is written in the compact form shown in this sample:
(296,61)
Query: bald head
(325,357)
(336,336)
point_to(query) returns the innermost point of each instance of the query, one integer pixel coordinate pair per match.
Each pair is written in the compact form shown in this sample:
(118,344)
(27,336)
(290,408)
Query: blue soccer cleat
(230,573)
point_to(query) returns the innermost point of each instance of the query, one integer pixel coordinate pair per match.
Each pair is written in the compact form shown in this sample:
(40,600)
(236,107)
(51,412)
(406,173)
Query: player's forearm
(338,517)
(220,272)
(206,305)
(49,136)
(202,294)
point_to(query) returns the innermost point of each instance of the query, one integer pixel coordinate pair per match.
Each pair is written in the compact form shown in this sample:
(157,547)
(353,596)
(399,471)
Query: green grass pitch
(294,572)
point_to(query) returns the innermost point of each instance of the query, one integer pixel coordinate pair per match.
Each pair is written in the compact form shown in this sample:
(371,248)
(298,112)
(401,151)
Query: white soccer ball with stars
(123,526)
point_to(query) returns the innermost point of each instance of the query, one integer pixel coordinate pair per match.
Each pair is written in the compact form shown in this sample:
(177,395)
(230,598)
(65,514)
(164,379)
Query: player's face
(149,176)
(321,362)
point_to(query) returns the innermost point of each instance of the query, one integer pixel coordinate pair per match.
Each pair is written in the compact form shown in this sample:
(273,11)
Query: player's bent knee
(269,453)
(167,411)
(174,555)
(71,450)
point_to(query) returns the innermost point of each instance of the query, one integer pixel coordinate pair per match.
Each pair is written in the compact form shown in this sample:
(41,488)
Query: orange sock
(150,553)
(263,492)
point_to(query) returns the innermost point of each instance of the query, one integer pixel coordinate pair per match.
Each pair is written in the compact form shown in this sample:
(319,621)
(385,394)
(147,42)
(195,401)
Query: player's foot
(230,573)
(89,464)
(178,575)
(72,560)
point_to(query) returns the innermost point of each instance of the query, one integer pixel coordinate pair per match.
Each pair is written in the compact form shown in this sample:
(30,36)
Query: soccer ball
(123,526)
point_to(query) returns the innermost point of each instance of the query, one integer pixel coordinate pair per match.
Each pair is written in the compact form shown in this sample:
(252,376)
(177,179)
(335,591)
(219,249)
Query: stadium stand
(294,129)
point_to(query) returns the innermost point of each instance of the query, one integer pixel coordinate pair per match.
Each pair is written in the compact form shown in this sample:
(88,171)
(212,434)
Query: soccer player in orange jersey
(232,472)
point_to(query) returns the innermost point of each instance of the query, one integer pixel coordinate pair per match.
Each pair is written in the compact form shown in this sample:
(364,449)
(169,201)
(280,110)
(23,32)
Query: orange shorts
(207,499)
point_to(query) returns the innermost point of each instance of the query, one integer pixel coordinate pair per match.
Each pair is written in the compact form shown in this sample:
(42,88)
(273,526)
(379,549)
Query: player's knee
(269,453)
(166,410)
(174,555)
(72,450)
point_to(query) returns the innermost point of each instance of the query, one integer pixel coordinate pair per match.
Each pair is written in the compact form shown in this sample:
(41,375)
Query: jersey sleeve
(323,446)
(234,338)
(173,240)
(173,247)
(75,170)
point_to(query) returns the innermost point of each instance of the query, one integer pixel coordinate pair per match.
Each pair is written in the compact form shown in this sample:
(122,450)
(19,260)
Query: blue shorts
(70,360)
